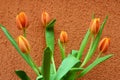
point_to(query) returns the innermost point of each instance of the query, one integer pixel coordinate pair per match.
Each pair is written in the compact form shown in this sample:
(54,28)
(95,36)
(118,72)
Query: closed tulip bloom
(45,18)
(95,26)
(63,37)
(22,21)
(23,44)
(104,44)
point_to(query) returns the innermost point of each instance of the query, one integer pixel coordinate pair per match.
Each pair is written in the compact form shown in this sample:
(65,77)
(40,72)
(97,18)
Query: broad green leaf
(95,43)
(46,64)
(22,75)
(66,66)
(83,44)
(62,50)
(49,34)
(71,75)
(92,65)
(52,73)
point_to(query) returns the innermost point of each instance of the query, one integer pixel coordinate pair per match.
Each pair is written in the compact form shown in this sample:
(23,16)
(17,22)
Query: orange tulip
(23,44)
(63,37)
(45,18)
(95,25)
(22,21)
(104,44)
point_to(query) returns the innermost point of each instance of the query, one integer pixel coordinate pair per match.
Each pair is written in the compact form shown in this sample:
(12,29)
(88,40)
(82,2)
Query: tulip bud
(104,44)
(95,25)
(22,21)
(63,37)
(45,18)
(23,44)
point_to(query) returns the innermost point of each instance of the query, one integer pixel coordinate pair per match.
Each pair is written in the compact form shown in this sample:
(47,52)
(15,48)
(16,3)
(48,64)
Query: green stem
(62,49)
(24,32)
(33,65)
(63,53)
(88,56)
(99,55)
(53,63)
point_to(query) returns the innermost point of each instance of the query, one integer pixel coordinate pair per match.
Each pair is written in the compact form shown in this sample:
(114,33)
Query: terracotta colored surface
(72,16)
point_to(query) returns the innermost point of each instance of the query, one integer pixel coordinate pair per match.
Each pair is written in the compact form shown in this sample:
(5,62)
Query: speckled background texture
(73,16)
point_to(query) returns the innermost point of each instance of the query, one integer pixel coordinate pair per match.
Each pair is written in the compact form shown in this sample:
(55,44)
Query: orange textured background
(72,16)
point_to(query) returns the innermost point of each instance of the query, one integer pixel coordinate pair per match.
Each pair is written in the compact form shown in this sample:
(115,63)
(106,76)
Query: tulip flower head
(63,37)
(95,25)
(23,44)
(45,18)
(104,44)
(22,21)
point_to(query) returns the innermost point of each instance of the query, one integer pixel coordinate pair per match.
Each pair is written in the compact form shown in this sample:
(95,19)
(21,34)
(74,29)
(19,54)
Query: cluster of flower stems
(23,44)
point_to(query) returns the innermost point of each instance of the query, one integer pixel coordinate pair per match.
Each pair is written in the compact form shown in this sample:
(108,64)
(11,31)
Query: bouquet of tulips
(72,66)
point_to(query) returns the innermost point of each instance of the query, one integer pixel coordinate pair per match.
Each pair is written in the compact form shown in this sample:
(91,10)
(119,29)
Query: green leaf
(46,63)
(39,77)
(92,65)
(49,34)
(71,75)
(62,50)
(52,73)
(95,43)
(51,24)
(13,42)
(83,44)
(66,66)
(21,74)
